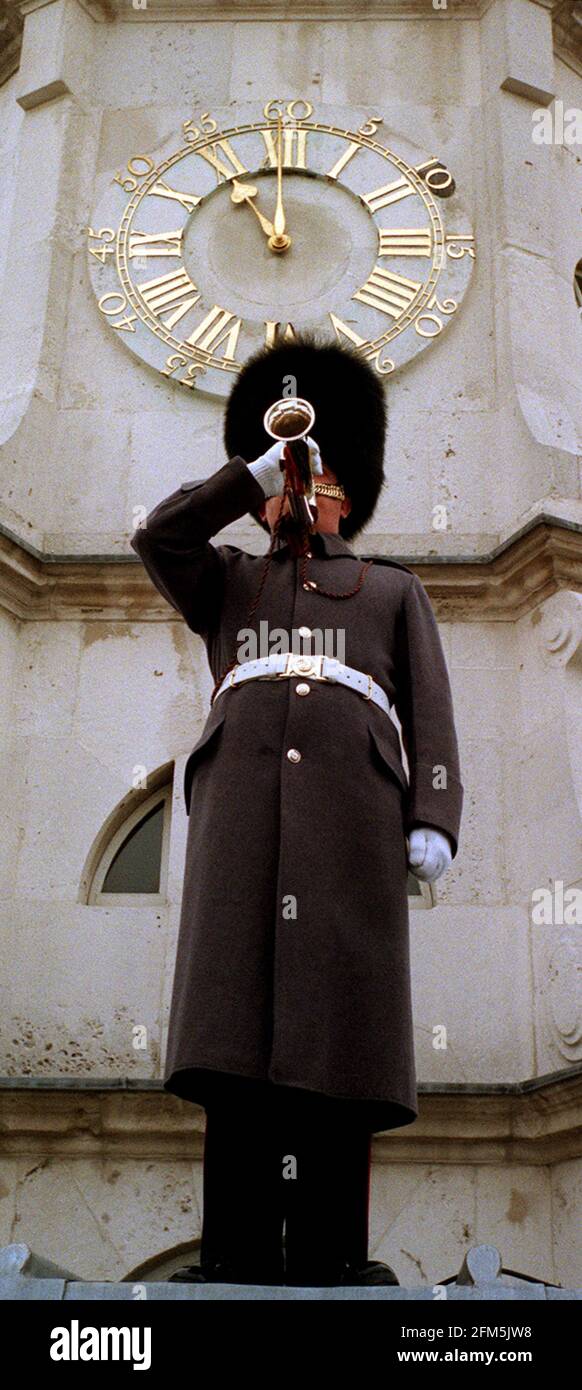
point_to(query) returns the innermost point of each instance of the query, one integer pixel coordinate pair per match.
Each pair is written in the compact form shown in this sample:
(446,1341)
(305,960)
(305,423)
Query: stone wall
(98,676)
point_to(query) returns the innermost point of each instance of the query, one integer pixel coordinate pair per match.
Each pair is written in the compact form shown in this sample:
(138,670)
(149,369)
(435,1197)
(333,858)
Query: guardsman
(291,1018)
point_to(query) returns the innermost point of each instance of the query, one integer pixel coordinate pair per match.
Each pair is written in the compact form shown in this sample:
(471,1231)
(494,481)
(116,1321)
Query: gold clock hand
(244,193)
(279,241)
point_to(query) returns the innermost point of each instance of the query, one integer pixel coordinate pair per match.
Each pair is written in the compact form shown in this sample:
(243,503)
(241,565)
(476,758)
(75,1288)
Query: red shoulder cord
(317,588)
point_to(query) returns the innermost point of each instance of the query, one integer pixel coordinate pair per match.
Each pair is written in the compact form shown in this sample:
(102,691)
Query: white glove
(269,470)
(429,854)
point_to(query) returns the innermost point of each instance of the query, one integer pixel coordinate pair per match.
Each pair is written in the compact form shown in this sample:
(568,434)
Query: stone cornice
(241,11)
(534,1122)
(541,558)
(565,17)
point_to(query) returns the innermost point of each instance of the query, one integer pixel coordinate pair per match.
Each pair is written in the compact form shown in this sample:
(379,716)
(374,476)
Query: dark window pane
(413,887)
(136,866)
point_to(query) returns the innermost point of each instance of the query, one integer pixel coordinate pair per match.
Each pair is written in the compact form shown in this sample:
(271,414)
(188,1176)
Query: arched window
(128,862)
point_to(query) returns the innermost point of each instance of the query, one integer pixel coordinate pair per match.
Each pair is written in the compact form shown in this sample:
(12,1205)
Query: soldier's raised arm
(174,546)
(425,709)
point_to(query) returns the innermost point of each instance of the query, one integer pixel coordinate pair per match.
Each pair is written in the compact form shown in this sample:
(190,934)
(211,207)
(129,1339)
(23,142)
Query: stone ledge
(538,1121)
(542,557)
(25,1275)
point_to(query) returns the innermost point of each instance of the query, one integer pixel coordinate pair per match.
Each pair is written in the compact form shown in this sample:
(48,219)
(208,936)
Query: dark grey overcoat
(293,952)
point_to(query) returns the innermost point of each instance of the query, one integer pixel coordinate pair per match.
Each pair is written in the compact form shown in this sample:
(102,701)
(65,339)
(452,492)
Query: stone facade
(99,677)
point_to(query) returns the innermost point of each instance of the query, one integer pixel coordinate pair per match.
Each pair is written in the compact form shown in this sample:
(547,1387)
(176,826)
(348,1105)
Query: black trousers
(280,1161)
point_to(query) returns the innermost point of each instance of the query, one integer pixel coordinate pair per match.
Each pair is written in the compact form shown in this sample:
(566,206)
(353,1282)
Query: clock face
(245,234)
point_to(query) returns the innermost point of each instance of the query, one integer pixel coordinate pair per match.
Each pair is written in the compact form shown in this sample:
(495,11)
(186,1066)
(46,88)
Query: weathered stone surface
(101,678)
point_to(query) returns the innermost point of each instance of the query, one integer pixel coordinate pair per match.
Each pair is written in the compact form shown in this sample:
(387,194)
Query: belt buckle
(297,665)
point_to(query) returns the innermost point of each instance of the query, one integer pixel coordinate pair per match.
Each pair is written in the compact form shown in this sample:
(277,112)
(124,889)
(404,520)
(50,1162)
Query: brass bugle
(290,420)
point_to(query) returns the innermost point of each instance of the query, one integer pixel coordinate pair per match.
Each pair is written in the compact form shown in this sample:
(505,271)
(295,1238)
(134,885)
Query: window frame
(426,898)
(95,896)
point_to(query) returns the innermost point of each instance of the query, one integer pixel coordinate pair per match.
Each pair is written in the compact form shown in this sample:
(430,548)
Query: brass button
(293,755)
(304,663)
(303,688)
(305,632)
(309,554)
(310,584)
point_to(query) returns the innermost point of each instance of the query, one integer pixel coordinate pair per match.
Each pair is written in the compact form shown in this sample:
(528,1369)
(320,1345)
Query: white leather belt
(319,668)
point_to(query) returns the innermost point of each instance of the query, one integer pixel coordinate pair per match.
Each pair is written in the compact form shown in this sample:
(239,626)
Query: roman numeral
(389,193)
(383,365)
(390,293)
(344,159)
(343,330)
(293,147)
(155,243)
(406,241)
(167,291)
(163,190)
(222,170)
(214,329)
(273,334)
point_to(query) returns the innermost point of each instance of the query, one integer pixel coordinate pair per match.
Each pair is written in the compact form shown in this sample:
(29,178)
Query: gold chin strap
(330,490)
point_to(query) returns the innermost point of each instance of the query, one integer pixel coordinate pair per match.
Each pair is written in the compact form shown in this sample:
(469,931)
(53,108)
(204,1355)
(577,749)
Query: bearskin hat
(350,415)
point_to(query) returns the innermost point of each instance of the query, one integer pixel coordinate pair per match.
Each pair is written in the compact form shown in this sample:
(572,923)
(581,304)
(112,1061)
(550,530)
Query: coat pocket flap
(213,724)
(386,741)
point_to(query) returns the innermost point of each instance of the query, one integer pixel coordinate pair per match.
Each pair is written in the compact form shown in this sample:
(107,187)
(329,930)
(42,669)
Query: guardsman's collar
(323,543)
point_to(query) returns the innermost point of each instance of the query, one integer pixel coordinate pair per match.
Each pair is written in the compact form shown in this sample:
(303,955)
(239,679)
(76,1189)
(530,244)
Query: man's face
(329,509)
